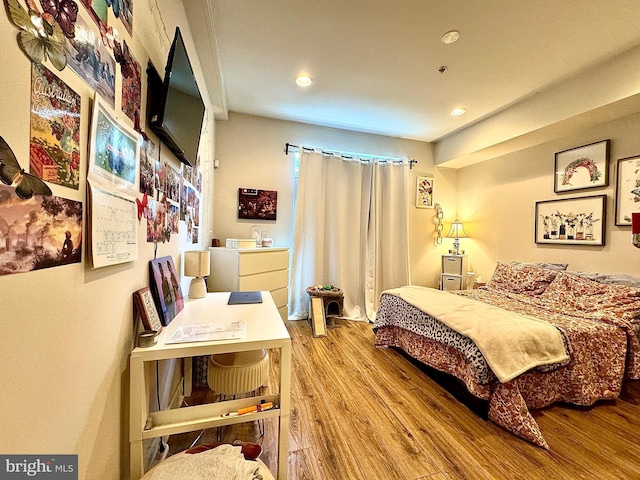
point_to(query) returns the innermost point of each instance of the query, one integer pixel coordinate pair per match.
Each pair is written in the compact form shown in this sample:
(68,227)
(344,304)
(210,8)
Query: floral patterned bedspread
(603,351)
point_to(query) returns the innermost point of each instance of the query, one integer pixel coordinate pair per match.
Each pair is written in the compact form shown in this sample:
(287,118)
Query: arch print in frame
(582,167)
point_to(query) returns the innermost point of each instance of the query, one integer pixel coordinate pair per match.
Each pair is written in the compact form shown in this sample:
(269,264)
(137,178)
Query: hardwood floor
(364,413)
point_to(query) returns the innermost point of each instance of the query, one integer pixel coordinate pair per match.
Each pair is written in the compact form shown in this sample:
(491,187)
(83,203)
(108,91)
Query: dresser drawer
(451,282)
(263,261)
(452,265)
(280,297)
(264,281)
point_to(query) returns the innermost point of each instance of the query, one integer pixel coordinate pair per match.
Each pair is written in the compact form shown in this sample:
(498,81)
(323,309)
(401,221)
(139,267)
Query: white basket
(241,243)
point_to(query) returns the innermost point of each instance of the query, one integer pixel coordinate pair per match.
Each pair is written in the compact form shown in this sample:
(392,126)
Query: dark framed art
(571,221)
(582,167)
(165,288)
(627,189)
(257,204)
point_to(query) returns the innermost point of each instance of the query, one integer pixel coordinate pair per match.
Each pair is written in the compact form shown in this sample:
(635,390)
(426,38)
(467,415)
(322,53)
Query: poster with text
(54,150)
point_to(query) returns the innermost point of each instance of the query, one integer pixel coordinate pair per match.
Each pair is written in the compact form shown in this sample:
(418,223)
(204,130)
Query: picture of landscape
(41,232)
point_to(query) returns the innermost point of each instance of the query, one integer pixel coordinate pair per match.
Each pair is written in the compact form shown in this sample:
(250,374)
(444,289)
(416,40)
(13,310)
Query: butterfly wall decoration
(142,205)
(40,38)
(64,13)
(11,173)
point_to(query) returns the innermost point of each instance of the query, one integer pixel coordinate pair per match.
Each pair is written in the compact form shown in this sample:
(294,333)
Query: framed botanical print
(424,191)
(571,221)
(627,189)
(582,167)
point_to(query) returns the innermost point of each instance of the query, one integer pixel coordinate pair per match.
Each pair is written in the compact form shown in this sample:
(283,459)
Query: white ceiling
(375,62)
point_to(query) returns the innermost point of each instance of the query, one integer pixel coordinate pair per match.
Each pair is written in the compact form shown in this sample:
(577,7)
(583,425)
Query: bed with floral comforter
(598,322)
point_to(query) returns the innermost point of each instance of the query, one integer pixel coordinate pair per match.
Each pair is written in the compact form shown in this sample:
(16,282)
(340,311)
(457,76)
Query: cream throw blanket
(511,343)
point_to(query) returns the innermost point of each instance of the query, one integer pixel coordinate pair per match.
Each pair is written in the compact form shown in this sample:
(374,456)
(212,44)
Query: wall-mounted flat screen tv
(174,106)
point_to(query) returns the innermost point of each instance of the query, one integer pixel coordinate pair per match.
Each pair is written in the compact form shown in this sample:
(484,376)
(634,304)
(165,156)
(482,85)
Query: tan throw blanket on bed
(511,343)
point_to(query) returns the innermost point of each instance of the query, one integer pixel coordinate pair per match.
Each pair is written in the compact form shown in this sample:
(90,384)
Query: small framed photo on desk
(146,309)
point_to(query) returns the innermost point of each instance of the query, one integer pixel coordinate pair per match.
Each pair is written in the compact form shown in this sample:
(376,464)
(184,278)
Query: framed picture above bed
(627,189)
(571,221)
(582,167)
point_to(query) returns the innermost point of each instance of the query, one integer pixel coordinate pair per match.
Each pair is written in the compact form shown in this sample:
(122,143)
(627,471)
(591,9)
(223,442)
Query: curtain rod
(288,146)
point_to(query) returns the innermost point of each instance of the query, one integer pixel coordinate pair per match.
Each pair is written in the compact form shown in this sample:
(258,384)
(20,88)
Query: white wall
(497,200)
(251,154)
(67,332)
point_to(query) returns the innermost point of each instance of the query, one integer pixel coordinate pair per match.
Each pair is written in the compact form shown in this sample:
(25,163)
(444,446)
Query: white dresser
(244,269)
(454,269)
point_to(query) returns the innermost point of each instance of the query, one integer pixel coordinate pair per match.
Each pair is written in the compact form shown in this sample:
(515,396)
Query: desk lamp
(635,229)
(456,232)
(196,264)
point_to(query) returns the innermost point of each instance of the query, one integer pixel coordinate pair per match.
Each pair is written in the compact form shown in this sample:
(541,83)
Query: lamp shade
(196,263)
(457,230)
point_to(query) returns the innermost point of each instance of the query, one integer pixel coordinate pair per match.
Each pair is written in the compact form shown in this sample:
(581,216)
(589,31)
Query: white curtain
(350,231)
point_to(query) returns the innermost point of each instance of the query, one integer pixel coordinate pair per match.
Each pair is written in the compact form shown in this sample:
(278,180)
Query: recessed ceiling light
(304,79)
(450,37)
(456,112)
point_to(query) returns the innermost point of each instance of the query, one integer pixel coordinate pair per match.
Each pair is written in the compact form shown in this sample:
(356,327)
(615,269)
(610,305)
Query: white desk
(265,329)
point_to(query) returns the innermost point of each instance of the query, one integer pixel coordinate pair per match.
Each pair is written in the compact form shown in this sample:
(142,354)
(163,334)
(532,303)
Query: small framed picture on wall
(424,191)
(582,167)
(627,189)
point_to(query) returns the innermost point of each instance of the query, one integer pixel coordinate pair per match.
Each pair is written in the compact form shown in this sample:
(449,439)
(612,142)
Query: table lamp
(456,232)
(196,264)
(635,229)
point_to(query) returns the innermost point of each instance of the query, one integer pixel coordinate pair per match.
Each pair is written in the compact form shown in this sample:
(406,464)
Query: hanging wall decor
(149,155)
(55,129)
(91,60)
(98,10)
(627,189)
(38,232)
(571,221)
(39,38)
(257,204)
(12,174)
(424,191)
(131,83)
(582,167)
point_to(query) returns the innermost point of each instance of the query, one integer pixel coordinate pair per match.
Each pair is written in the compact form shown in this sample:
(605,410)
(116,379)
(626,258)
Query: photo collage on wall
(191,191)
(86,40)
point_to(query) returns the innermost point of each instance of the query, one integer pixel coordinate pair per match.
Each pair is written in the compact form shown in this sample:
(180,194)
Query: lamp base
(197,288)
(635,239)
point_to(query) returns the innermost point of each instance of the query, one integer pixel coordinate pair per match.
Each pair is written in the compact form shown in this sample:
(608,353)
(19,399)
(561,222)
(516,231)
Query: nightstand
(453,273)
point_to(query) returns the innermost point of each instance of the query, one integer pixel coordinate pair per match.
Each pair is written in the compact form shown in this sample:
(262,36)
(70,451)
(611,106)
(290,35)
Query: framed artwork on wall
(571,221)
(627,189)
(257,204)
(424,191)
(582,167)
